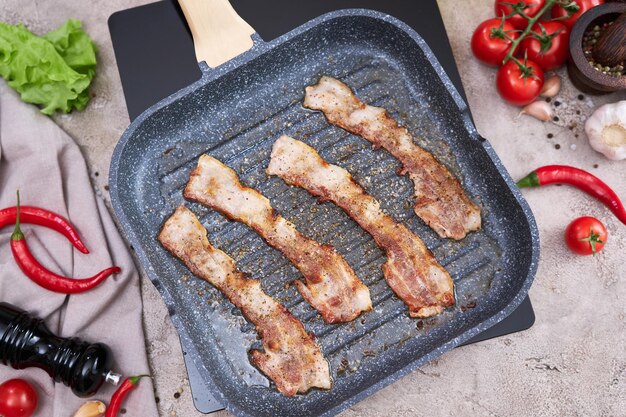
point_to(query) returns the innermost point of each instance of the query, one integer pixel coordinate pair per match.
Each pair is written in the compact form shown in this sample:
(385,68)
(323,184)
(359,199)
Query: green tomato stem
(592,239)
(531,23)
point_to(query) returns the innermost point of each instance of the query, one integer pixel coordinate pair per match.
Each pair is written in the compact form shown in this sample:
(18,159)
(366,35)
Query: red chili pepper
(42,276)
(584,181)
(116,400)
(42,217)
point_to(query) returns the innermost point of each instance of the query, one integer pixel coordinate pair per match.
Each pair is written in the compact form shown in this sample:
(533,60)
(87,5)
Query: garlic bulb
(606,130)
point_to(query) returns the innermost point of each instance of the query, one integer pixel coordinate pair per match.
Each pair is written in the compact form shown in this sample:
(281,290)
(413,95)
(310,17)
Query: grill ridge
(245,146)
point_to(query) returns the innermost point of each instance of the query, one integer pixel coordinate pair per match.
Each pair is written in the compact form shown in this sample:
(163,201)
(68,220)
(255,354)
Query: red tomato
(531,8)
(584,5)
(550,48)
(517,87)
(489,43)
(17,399)
(586,235)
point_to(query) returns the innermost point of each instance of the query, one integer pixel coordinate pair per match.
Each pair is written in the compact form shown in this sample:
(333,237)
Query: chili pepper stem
(530,180)
(17,232)
(135,379)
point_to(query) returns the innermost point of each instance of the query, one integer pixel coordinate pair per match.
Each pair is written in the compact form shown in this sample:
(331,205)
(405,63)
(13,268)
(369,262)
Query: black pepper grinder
(26,342)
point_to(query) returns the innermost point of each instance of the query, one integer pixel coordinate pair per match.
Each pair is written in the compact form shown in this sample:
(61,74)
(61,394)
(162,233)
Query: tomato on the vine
(529,7)
(586,235)
(490,42)
(519,84)
(17,399)
(561,13)
(547,45)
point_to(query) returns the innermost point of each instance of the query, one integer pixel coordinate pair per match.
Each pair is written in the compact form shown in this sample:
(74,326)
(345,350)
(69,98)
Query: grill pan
(235,112)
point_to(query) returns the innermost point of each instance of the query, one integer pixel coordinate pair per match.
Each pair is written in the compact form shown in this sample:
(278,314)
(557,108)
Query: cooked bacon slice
(290,357)
(330,285)
(440,200)
(411,270)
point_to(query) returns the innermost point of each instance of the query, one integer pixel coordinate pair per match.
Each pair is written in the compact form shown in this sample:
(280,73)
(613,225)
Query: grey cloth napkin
(43,162)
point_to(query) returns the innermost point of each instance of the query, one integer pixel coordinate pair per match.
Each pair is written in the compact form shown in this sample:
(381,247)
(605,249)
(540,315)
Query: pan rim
(260,47)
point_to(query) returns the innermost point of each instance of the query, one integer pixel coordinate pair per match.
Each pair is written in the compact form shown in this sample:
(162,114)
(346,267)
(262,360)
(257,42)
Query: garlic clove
(91,409)
(539,110)
(551,87)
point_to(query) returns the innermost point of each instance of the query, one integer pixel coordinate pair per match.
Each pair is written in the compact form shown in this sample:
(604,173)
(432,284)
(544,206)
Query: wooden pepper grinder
(610,50)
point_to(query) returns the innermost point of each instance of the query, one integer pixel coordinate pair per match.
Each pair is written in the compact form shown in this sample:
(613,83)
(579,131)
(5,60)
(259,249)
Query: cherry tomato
(17,399)
(547,45)
(489,42)
(519,87)
(531,8)
(586,235)
(584,5)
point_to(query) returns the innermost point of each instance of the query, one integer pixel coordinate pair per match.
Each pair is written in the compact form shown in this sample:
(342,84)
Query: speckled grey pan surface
(235,113)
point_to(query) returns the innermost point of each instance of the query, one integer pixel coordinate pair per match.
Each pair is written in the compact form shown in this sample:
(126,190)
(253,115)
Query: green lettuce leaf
(75,47)
(53,71)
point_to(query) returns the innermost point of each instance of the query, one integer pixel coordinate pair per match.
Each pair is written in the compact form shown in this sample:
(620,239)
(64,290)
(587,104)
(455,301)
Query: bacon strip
(440,199)
(411,270)
(330,285)
(290,357)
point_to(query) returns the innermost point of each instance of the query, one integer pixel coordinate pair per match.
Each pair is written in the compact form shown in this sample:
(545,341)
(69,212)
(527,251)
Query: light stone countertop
(572,362)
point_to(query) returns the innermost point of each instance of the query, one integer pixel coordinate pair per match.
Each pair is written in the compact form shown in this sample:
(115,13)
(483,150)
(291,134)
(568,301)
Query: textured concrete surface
(571,363)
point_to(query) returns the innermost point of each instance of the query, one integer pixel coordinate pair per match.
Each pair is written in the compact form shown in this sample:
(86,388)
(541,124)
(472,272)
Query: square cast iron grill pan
(235,113)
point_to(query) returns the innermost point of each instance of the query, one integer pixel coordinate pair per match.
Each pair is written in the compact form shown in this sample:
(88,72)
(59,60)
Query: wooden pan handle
(219,34)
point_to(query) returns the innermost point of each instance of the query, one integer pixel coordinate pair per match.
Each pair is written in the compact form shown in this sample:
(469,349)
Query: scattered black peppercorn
(550,135)
(557,146)
(555,118)
(581,97)
(557,103)
(595,165)
(177,395)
